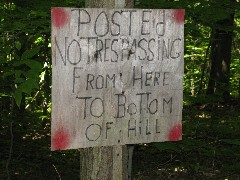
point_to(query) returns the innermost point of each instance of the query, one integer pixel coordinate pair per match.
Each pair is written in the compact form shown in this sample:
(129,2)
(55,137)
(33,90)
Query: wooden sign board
(117,76)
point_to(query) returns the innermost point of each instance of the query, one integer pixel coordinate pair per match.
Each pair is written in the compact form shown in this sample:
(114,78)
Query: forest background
(211,116)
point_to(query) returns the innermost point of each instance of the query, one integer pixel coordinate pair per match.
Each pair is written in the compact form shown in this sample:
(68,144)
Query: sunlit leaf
(34,65)
(30,53)
(18,45)
(18,97)
(232,141)
(28,86)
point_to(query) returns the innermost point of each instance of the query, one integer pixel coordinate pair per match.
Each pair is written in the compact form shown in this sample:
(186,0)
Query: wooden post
(129,93)
(111,162)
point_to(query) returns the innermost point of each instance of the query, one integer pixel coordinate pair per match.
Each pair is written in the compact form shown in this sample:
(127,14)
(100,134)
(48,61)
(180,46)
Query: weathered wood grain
(117,76)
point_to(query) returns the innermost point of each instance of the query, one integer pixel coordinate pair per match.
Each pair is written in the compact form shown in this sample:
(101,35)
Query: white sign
(117,76)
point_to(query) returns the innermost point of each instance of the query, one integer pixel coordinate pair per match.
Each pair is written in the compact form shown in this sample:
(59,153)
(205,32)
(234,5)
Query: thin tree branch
(11,141)
(204,66)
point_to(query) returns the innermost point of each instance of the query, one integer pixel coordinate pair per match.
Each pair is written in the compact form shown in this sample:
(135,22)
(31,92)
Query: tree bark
(239,90)
(105,163)
(201,84)
(220,58)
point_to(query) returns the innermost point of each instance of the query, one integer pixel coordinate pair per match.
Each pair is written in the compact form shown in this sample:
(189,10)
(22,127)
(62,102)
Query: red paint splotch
(175,134)
(178,16)
(60,139)
(59,17)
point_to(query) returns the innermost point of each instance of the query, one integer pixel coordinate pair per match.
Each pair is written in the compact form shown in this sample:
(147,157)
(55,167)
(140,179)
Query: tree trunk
(201,84)
(239,90)
(220,58)
(109,3)
(105,163)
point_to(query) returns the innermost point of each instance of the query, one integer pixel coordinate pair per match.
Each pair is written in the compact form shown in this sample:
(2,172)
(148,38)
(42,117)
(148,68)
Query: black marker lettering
(160,26)
(85,105)
(115,52)
(142,48)
(140,128)
(108,127)
(141,99)
(79,18)
(75,76)
(147,128)
(150,109)
(133,128)
(125,44)
(107,41)
(98,49)
(173,49)
(148,78)
(139,78)
(165,50)
(132,109)
(75,51)
(96,128)
(130,20)
(60,52)
(157,131)
(118,25)
(145,22)
(97,107)
(90,79)
(89,46)
(121,105)
(108,78)
(151,52)
(99,82)
(165,77)
(169,101)
(159,49)
(106,24)
(156,78)
(133,49)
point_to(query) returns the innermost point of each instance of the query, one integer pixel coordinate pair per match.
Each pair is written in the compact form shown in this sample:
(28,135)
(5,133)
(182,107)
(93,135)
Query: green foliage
(25,72)
(232,141)
(26,38)
(210,127)
(210,142)
(200,18)
(168,146)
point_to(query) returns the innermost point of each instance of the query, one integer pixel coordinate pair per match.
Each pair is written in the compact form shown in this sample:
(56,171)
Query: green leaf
(18,80)
(18,45)
(17,25)
(32,74)
(232,141)
(28,86)
(18,74)
(35,65)
(8,73)
(18,97)
(28,54)
(4,95)
(3,59)
(16,57)
(167,146)
(18,63)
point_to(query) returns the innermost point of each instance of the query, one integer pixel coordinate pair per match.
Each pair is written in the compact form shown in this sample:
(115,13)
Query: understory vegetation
(210,148)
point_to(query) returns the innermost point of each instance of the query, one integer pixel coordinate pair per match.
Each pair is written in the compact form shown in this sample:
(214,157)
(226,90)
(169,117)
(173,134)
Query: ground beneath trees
(210,149)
